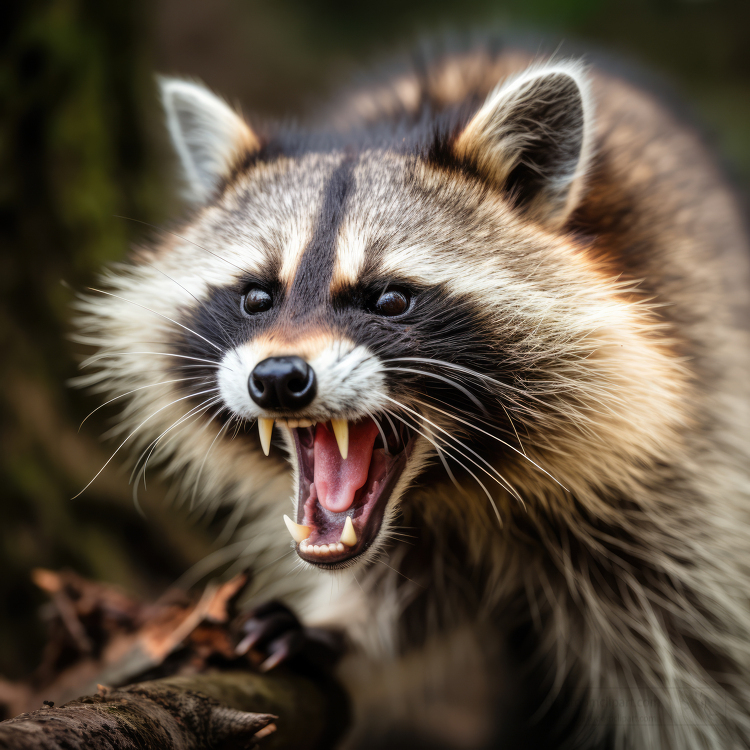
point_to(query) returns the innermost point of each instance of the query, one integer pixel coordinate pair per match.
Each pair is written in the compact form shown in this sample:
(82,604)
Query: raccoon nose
(282,383)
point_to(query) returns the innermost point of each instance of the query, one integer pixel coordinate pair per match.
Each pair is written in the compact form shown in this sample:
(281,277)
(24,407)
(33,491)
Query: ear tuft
(207,134)
(532,139)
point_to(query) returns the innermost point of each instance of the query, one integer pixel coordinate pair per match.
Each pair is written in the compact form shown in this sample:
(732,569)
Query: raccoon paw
(275,632)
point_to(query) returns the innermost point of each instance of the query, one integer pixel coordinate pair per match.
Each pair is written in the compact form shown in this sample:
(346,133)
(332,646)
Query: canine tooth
(348,535)
(265,428)
(297,531)
(341,431)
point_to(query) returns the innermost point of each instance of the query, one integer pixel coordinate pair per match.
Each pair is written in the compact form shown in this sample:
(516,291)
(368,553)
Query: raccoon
(479,344)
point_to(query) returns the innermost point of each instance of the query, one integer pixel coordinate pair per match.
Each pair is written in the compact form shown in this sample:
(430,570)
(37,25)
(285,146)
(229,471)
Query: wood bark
(223,710)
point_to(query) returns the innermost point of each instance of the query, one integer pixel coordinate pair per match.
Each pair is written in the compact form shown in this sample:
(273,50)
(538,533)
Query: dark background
(81,144)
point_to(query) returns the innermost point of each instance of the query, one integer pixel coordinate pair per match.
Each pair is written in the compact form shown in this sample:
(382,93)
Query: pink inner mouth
(337,480)
(333,489)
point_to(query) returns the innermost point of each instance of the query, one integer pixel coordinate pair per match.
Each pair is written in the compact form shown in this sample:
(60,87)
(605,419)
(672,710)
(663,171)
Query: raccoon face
(377,306)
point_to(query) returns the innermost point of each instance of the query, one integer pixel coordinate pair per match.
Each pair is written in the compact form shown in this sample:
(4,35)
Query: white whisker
(122,395)
(185,239)
(380,430)
(116,355)
(195,411)
(453,383)
(494,437)
(460,463)
(151,416)
(502,481)
(225,335)
(203,463)
(165,317)
(459,368)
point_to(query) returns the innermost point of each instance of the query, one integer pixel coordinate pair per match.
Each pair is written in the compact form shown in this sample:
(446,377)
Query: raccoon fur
(489,328)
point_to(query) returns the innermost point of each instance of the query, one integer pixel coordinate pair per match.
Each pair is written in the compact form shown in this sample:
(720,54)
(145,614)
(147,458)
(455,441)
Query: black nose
(282,383)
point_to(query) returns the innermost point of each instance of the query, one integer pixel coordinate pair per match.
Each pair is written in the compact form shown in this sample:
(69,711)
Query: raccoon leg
(277,633)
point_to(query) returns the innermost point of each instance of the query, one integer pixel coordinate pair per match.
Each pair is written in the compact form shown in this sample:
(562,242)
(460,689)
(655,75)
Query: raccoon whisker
(192,417)
(383,562)
(358,583)
(96,357)
(502,481)
(152,444)
(449,472)
(460,463)
(165,317)
(393,427)
(203,463)
(512,424)
(122,395)
(237,429)
(494,437)
(142,471)
(400,533)
(463,390)
(196,410)
(398,538)
(380,430)
(459,368)
(151,416)
(223,330)
(184,239)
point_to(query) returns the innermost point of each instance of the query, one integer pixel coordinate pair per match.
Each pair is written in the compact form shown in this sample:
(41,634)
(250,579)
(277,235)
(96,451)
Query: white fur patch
(350,379)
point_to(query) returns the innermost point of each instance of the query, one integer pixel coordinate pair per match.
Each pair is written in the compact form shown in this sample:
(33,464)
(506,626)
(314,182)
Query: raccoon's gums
(488,332)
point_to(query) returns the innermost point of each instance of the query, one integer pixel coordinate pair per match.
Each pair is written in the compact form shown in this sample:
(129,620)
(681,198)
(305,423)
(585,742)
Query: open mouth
(347,472)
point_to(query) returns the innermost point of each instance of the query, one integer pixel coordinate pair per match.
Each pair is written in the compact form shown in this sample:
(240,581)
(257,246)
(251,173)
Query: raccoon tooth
(341,431)
(348,535)
(265,428)
(297,531)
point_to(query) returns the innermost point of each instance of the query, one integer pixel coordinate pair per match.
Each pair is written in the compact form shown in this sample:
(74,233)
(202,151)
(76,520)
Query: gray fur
(617,452)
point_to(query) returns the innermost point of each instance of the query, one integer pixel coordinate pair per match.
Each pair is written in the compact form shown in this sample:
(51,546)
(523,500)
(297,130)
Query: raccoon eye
(392,303)
(257,300)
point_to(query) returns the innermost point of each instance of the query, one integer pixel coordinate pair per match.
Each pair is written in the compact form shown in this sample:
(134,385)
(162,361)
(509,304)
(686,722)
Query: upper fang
(265,428)
(341,431)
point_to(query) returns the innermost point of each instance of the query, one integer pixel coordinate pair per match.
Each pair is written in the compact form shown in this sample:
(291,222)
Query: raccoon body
(490,329)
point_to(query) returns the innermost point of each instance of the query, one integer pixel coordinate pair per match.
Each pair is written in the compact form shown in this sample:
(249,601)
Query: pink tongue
(336,480)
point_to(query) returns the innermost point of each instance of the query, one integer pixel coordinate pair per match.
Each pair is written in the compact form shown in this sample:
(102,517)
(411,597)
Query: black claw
(274,631)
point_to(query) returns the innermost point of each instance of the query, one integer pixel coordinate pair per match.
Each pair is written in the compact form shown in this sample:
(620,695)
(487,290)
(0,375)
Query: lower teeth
(321,549)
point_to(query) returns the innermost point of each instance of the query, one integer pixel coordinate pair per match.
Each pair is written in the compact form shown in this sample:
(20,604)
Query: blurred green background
(81,143)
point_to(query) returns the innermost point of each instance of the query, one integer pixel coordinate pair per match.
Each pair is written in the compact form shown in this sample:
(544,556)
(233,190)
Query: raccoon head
(381,301)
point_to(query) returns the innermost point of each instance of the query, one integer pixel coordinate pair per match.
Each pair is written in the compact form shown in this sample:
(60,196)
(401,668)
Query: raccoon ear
(531,137)
(207,134)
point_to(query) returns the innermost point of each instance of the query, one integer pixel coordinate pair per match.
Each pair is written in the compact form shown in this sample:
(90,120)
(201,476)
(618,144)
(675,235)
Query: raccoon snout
(282,383)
